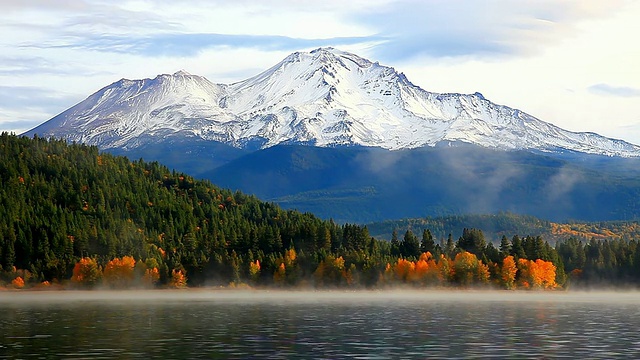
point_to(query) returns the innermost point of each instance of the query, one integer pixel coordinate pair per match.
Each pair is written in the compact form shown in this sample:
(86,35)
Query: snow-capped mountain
(325,97)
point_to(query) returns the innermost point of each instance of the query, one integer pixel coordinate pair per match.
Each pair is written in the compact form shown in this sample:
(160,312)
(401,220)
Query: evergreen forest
(73,216)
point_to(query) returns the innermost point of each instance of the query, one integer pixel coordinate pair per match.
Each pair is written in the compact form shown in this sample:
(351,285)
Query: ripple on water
(370,330)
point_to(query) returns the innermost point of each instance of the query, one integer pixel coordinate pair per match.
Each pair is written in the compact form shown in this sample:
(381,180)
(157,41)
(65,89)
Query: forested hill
(59,203)
(72,214)
(494,226)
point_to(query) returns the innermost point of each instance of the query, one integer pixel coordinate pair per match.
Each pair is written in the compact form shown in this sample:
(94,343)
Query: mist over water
(22,298)
(318,324)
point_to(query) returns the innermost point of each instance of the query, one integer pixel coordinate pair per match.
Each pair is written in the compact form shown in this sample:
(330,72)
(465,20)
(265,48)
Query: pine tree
(410,246)
(395,244)
(427,244)
(505,247)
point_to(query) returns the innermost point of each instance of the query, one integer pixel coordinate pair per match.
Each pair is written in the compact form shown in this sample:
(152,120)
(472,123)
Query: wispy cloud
(182,45)
(38,65)
(31,98)
(25,107)
(611,90)
(480,28)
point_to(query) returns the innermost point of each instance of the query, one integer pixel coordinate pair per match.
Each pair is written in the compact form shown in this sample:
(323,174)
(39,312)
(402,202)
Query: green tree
(427,244)
(410,246)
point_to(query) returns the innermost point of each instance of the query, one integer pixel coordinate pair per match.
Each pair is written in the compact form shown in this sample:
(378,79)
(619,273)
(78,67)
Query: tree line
(71,214)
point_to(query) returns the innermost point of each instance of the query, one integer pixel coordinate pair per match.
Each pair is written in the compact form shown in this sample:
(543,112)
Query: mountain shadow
(359,184)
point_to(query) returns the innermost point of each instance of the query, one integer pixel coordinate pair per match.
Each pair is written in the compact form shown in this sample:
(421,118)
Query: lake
(274,324)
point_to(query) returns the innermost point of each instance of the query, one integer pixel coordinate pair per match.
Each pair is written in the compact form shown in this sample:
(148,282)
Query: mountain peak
(325,97)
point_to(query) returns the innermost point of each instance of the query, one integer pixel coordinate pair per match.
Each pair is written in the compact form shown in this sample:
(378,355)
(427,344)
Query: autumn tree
(254,271)
(151,277)
(279,275)
(508,272)
(178,279)
(86,272)
(536,274)
(18,282)
(119,272)
(404,270)
(332,272)
(468,270)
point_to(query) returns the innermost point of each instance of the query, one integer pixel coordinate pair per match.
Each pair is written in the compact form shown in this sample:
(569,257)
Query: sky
(573,63)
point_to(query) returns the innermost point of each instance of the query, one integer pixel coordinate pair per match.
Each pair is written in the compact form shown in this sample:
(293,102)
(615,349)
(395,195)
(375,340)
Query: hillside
(61,202)
(357,184)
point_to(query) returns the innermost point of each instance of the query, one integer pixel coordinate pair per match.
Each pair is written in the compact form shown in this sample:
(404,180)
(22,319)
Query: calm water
(262,324)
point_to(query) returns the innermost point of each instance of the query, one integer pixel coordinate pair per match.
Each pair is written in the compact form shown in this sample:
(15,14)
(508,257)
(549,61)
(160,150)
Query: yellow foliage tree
(290,257)
(445,270)
(151,277)
(332,272)
(279,275)
(178,279)
(482,273)
(467,269)
(254,270)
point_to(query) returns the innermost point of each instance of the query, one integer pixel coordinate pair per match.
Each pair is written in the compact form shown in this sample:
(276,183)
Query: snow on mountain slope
(127,113)
(325,97)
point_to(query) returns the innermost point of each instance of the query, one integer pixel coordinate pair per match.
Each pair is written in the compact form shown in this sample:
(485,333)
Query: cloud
(57,5)
(30,99)
(38,65)
(456,28)
(610,90)
(182,45)
(25,107)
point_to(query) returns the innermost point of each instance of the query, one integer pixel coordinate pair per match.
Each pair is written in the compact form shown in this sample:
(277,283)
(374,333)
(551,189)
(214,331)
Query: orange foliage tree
(536,274)
(18,282)
(427,270)
(86,272)
(545,273)
(404,270)
(508,272)
(423,271)
(119,272)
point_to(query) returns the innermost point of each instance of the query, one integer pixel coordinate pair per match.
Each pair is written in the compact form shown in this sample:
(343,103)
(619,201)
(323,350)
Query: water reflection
(331,325)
